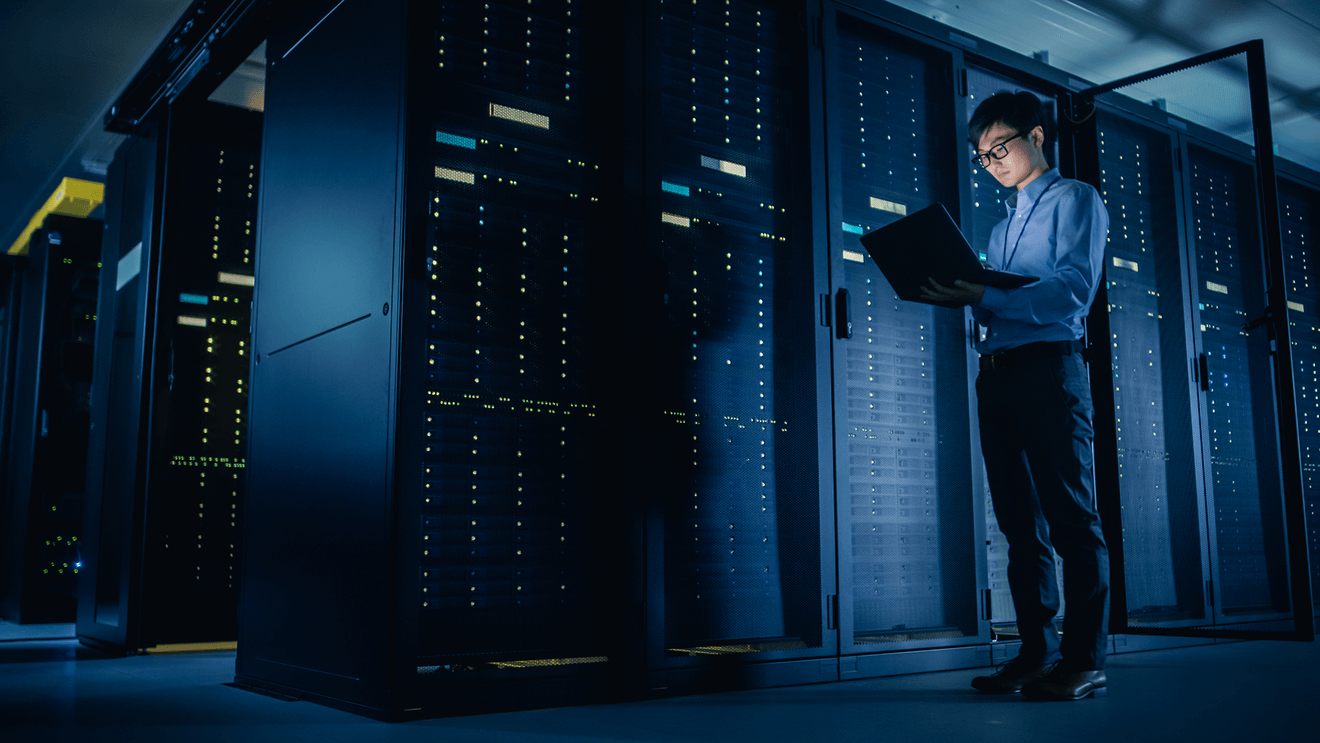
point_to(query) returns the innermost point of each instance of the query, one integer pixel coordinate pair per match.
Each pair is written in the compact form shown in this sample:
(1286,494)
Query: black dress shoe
(1067,686)
(1010,678)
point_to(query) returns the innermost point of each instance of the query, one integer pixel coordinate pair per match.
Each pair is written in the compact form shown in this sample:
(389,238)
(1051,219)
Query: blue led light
(675,188)
(454,139)
(193,299)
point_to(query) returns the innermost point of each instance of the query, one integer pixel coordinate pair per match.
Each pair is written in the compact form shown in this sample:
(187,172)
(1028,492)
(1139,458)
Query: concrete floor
(53,690)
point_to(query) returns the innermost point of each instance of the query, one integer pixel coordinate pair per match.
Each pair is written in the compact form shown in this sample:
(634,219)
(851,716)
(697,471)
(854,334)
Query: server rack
(1299,210)
(416,416)
(48,425)
(11,288)
(1208,489)
(909,489)
(1159,448)
(525,395)
(166,504)
(440,290)
(739,534)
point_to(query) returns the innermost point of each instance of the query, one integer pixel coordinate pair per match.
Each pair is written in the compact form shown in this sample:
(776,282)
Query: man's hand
(962,292)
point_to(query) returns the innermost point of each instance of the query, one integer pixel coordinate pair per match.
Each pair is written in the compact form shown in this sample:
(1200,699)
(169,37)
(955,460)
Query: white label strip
(1212,286)
(1125,264)
(237,279)
(455,175)
(196,322)
(1297,306)
(888,206)
(724,166)
(854,256)
(129,267)
(675,219)
(522,117)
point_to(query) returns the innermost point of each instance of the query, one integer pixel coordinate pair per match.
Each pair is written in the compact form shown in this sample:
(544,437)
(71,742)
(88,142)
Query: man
(1034,403)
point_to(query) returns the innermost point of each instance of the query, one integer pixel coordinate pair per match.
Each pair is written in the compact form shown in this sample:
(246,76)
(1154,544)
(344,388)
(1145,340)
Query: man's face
(1019,162)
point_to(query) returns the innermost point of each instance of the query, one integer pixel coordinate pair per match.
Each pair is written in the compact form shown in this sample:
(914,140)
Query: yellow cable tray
(73,198)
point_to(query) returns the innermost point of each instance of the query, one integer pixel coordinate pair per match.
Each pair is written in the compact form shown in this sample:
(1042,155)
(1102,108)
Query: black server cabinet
(1158,444)
(1247,540)
(166,504)
(1299,213)
(738,516)
(443,277)
(537,341)
(909,484)
(11,297)
(46,463)
(1198,471)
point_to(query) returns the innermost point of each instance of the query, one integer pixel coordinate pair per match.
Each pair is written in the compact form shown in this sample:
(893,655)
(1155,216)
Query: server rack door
(316,608)
(1253,566)
(735,532)
(507,472)
(907,505)
(108,589)
(1238,412)
(1299,212)
(46,468)
(987,210)
(198,437)
(1158,445)
(11,283)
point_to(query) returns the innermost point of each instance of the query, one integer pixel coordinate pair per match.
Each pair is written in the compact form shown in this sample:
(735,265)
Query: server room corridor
(53,690)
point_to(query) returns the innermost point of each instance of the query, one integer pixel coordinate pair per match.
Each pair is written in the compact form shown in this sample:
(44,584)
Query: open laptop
(926,244)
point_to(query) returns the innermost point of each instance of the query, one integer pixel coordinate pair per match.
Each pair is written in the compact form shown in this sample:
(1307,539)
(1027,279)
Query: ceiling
(1104,40)
(63,63)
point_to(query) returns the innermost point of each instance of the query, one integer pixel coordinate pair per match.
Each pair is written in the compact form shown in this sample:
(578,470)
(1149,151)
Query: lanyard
(1034,204)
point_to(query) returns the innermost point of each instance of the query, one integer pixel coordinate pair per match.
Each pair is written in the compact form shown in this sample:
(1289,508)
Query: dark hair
(1020,111)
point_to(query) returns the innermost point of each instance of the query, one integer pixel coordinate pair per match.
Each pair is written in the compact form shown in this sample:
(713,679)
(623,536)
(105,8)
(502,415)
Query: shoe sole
(1099,692)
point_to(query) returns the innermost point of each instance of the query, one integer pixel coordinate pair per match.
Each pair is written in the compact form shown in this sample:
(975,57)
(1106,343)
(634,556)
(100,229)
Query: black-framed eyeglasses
(998,152)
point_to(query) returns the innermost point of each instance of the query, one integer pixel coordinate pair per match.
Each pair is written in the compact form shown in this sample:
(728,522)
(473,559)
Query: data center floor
(55,690)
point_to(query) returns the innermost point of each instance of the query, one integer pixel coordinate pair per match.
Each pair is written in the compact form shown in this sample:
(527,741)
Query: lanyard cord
(1034,204)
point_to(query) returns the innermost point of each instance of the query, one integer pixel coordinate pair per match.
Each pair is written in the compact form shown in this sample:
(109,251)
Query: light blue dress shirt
(1056,229)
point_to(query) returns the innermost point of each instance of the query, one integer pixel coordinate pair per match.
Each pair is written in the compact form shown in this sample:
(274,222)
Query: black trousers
(1036,435)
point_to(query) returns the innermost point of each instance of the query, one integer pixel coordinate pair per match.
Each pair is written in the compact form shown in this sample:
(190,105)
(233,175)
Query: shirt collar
(1033,190)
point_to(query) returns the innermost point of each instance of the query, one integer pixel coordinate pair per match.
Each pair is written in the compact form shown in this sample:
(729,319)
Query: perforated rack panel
(510,556)
(199,434)
(740,570)
(909,474)
(1246,516)
(1299,210)
(1147,296)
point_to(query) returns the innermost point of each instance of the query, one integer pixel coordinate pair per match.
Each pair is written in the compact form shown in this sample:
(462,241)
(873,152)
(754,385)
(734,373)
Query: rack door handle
(1204,367)
(843,315)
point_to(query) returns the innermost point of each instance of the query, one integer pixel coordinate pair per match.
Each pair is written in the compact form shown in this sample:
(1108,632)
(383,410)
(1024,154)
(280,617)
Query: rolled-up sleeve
(1078,259)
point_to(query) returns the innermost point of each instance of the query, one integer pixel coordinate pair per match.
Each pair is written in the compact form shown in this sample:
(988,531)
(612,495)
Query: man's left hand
(962,292)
